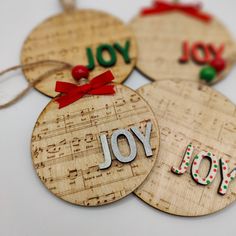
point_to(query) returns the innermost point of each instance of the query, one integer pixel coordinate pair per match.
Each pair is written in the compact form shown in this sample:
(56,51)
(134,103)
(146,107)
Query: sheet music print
(78,30)
(160,44)
(66,149)
(188,112)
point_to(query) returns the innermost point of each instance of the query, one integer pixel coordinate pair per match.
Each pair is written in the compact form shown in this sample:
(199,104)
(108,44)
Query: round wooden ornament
(86,37)
(178,40)
(196,167)
(71,147)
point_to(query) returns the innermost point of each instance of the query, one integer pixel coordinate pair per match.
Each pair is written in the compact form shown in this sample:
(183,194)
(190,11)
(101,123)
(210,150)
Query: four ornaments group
(98,141)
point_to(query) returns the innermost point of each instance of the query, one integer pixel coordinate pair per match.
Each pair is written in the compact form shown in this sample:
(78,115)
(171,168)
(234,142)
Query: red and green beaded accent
(227,177)
(196,165)
(209,73)
(185,161)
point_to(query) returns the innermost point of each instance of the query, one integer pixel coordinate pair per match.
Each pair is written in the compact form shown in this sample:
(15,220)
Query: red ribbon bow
(72,92)
(189,9)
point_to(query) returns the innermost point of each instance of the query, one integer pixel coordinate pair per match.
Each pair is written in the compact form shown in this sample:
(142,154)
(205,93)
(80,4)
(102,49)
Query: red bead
(79,72)
(219,64)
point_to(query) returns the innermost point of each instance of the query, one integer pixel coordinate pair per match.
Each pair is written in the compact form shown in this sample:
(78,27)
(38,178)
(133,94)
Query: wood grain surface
(188,112)
(160,39)
(66,150)
(66,36)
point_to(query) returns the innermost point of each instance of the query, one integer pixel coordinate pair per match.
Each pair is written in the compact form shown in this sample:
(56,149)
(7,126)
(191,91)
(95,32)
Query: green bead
(207,74)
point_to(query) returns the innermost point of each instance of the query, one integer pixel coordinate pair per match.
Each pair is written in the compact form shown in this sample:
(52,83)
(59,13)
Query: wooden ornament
(195,122)
(80,37)
(71,147)
(175,45)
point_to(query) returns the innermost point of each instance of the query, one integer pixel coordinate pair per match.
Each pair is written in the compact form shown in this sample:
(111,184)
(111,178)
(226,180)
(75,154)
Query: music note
(67,151)
(53,149)
(73,174)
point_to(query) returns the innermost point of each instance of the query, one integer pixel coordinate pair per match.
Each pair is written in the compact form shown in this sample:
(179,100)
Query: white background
(27,208)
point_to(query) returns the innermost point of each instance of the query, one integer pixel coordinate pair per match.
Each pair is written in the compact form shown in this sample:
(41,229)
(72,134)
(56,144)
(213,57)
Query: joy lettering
(111,51)
(200,52)
(216,164)
(144,139)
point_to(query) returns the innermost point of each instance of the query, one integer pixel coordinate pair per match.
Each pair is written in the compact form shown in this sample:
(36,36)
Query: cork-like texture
(67,152)
(160,38)
(65,37)
(189,113)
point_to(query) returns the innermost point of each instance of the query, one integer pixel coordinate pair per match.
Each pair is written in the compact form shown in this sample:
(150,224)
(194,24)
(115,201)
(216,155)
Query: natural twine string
(63,66)
(68,5)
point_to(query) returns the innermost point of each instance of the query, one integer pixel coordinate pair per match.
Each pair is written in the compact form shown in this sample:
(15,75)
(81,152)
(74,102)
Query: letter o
(112,53)
(197,57)
(115,147)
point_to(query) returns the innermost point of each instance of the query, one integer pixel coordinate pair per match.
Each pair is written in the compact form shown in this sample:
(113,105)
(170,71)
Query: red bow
(72,92)
(189,9)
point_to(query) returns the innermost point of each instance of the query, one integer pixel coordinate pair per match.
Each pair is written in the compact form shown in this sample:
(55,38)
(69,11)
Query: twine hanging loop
(60,67)
(68,5)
